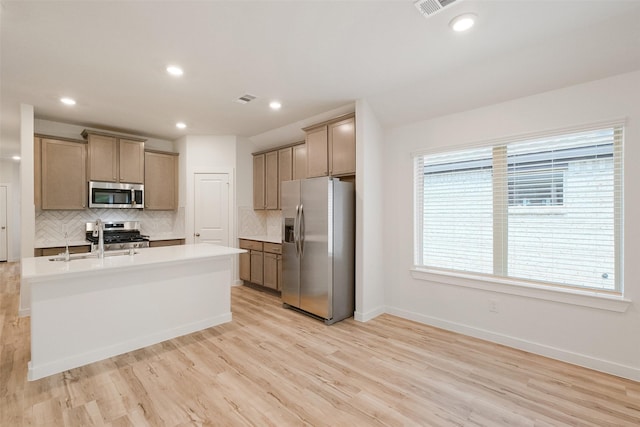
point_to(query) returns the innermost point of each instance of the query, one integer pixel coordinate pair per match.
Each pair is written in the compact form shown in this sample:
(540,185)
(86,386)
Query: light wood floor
(276,367)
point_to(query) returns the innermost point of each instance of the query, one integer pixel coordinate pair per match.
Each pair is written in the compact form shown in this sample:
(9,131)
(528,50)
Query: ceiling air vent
(430,7)
(245,99)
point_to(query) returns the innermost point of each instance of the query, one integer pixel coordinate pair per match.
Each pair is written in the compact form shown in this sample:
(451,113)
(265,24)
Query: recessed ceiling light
(181,125)
(16,157)
(68,101)
(174,71)
(275,105)
(463,22)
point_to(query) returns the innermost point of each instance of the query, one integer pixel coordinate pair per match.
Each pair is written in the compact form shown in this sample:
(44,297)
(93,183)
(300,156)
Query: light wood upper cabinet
(317,149)
(63,174)
(103,158)
(271,182)
(342,147)
(115,159)
(160,180)
(270,169)
(37,173)
(285,165)
(331,148)
(131,160)
(299,161)
(258,182)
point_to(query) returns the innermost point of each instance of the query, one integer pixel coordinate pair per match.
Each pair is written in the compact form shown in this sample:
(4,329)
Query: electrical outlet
(493,306)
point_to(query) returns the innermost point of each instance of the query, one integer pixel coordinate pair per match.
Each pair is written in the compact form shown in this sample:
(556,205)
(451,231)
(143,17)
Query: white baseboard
(583,360)
(371,314)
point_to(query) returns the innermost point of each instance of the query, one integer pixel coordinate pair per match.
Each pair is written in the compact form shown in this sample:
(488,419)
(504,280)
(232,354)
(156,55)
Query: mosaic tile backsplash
(52,225)
(259,223)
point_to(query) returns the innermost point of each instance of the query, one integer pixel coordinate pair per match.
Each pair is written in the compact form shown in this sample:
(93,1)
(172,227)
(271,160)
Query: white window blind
(546,210)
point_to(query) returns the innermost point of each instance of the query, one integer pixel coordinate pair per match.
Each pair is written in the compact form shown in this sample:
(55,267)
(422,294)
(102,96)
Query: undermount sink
(72,257)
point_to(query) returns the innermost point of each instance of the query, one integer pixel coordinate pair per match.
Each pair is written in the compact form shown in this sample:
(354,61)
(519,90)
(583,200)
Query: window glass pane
(457,219)
(573,243)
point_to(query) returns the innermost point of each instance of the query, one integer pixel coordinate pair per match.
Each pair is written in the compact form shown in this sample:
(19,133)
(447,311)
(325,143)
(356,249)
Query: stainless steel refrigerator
(318,249)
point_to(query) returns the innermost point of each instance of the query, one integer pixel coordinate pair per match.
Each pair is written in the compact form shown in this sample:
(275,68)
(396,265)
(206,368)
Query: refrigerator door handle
(302,231)
(296,231)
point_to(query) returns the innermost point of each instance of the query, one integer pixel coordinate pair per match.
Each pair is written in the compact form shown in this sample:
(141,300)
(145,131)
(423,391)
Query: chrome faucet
(99,232)
(67,256)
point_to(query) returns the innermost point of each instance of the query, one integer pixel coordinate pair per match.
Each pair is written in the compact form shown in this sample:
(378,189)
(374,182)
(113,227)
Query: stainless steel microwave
(116,195)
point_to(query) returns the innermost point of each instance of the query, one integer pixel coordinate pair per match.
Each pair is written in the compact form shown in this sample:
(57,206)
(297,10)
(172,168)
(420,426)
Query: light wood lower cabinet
(257,273)
(169,242)
(53,251)
(270,270)
(262,263)
(245,266)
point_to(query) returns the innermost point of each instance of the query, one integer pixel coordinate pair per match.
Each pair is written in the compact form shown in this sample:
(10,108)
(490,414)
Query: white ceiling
(312,56)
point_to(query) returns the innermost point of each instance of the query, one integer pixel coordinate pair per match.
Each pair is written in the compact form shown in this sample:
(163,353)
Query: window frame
(587,296)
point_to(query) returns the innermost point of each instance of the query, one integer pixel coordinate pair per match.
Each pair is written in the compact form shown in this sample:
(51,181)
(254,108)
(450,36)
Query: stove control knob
(121,245)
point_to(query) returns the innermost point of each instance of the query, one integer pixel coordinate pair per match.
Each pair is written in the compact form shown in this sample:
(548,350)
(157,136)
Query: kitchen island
(86,310)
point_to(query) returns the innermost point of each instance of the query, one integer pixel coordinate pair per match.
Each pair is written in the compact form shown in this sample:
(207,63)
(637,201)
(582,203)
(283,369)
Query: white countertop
(41,268)
(263,238)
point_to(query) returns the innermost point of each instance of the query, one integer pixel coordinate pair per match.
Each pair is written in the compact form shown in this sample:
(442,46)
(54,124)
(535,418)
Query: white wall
(207,154)
(369,215)
(27,205)
(244,180)
(601,339)
(203,154)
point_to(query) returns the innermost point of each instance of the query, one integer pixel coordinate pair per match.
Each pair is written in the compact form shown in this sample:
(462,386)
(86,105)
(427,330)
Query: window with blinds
(546,210)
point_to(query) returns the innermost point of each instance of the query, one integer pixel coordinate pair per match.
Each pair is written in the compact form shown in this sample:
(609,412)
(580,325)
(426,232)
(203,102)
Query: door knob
(3,227)
(197,234)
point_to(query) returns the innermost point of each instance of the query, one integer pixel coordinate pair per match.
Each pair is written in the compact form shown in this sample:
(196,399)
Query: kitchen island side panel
(78,320)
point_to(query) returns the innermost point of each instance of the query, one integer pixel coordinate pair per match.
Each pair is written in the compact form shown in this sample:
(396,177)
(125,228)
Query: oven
(117,235)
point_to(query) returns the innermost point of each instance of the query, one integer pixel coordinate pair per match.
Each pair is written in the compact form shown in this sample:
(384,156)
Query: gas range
(118,235)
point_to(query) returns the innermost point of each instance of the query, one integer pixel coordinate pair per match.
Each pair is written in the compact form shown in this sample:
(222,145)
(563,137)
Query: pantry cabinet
(115,159)
(160,180)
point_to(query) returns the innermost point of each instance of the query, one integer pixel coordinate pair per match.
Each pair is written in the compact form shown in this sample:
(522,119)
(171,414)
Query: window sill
(580,297)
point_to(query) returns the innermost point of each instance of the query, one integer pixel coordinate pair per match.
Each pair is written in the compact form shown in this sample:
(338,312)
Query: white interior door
(3,223)
(211,208)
